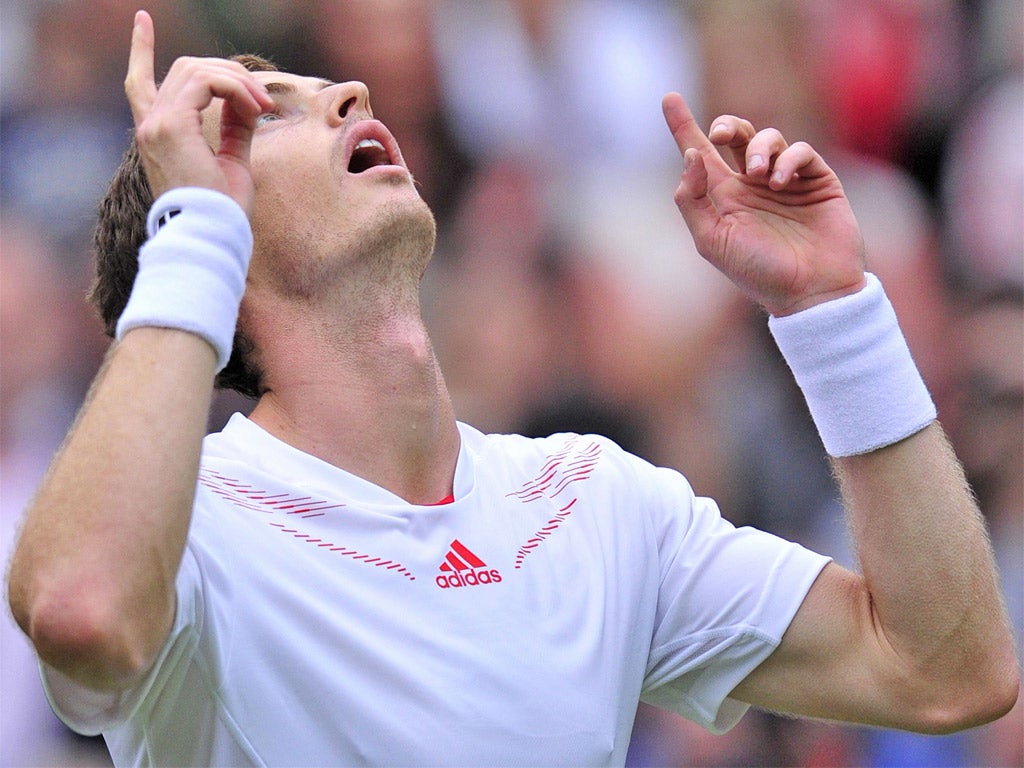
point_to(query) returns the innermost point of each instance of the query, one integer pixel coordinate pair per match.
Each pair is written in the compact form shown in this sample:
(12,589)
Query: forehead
(286,82)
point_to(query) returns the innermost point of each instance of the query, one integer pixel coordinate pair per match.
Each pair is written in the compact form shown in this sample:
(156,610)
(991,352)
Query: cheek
(298,189)
(291,229)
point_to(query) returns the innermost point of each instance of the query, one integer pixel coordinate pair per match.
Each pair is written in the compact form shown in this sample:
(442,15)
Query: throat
(377,407)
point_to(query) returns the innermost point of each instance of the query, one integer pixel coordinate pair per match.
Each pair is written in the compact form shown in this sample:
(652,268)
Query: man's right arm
(92,580)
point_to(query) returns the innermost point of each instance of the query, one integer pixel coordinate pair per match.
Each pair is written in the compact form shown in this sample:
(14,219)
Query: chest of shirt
(515,619)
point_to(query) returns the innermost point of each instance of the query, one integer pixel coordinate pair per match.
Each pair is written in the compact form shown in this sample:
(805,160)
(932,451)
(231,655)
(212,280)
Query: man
(351,576)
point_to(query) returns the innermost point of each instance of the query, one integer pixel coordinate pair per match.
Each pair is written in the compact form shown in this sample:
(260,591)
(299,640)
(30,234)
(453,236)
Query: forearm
(919,639)
(927,563)
(92,578)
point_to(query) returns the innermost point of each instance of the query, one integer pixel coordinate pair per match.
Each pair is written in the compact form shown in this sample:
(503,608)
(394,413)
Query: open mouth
(368,153)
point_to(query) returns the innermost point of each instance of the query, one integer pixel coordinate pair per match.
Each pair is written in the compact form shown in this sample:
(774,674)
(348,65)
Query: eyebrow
(289,89)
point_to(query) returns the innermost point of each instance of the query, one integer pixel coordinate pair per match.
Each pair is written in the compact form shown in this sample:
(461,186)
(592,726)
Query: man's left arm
(919,639)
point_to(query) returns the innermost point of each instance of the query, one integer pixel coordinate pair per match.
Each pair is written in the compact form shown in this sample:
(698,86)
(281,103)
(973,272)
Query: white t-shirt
(324,621)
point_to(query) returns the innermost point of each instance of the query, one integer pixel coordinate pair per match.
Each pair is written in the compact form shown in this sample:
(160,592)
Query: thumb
(694,202)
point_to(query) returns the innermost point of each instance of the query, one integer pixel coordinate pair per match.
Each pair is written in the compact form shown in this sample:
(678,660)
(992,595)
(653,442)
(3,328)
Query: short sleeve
(90,712)
(726,597)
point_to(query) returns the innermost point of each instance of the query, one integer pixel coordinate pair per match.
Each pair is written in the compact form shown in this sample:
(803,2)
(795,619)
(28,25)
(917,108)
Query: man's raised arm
(920,639)
(92,580)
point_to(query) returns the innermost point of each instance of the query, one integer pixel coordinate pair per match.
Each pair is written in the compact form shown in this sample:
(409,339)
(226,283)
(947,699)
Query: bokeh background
(566,293)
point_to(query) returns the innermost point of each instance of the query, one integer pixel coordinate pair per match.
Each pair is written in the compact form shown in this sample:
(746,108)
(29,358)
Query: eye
(267,117)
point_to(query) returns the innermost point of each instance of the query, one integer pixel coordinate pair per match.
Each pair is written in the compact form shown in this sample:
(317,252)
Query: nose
(352,97)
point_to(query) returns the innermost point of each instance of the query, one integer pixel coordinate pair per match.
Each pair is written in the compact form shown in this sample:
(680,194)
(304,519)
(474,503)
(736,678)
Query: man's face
(332,189)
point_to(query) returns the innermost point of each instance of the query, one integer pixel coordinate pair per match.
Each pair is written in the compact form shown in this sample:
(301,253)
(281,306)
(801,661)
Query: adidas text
(468,579)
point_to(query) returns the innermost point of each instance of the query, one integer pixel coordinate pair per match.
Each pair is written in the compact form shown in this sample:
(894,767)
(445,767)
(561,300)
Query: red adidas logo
(462,568)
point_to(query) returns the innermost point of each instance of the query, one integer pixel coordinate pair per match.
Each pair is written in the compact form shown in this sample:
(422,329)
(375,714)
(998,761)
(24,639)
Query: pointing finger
(140,82)
(688,135)
(682,124)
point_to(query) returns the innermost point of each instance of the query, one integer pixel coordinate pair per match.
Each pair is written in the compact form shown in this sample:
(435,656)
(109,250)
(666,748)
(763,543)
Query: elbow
(80,632)
(977,700)
(958,717)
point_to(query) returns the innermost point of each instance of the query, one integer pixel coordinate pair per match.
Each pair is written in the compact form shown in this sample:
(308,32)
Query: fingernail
(778,177)
(717,128)
(755,162)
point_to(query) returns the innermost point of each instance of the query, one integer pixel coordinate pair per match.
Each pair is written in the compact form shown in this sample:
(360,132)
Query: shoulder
(560,447)
(574,456)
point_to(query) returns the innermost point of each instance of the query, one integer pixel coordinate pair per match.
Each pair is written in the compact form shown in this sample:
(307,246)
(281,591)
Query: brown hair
(121,231)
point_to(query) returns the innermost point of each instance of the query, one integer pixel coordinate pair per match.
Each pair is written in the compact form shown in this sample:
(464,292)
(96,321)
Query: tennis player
(352,576)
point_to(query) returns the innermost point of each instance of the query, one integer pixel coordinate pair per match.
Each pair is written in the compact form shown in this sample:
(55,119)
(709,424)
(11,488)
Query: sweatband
(854,367)
(192,268)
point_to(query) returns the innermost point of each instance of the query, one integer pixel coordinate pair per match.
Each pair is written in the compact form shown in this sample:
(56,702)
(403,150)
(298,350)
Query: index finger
(687,132)
(140,82)
(683,125)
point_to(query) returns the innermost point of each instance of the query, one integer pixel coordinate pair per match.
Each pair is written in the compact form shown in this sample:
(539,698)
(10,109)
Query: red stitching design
(554,477)
(573,463)
(246,496)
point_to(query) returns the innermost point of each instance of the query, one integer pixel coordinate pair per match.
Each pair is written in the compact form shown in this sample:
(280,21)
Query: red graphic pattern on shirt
(575,462)
(247,496)
(562,468)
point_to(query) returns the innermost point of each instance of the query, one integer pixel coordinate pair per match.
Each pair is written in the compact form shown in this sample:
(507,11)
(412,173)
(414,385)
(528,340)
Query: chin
(397,230)
(390,246)
(395,244)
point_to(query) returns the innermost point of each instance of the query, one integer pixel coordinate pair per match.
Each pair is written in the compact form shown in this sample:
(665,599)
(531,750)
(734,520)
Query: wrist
(806,303)
(855,370)
(192,269)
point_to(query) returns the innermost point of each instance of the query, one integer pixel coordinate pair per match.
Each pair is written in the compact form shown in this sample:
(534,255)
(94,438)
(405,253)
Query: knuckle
(183,66)
(131,84)
(150,131)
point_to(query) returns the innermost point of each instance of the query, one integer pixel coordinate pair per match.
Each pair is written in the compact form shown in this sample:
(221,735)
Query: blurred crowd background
(566,293)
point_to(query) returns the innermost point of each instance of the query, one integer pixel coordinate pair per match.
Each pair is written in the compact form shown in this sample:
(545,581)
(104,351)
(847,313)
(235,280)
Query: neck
(367,397)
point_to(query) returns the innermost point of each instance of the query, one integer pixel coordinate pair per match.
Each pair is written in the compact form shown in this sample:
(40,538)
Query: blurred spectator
(279,30)
(983,186)
(66,125)
(888,73)
(573,82)
(989,437)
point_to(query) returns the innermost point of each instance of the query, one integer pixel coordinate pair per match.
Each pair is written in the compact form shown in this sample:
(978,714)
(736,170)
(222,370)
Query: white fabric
(854,367)
(312,627)
(192,269)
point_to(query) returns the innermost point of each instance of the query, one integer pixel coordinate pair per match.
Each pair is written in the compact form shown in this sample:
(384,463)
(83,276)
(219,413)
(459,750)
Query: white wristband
(854,367)
(192,269)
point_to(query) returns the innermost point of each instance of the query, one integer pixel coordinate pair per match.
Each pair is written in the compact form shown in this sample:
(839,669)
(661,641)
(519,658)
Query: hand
(169,120)
(780,227)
